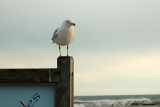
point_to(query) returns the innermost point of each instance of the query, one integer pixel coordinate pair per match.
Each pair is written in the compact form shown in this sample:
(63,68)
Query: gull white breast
(64,35)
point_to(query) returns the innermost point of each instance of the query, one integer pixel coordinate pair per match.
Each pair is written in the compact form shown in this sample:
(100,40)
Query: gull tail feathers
(52,40)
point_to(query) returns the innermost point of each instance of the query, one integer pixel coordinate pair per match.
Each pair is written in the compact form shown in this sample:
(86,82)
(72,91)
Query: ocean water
(116,100)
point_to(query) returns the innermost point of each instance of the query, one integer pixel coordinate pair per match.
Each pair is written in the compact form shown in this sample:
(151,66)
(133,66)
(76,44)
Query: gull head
(68,23)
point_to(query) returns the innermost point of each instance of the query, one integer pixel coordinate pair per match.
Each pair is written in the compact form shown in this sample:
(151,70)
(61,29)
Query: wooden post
(65,88)
(62,78)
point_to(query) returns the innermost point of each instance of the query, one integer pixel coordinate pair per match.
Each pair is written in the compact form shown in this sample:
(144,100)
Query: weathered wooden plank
(29,75)
(61,77)
(64,89)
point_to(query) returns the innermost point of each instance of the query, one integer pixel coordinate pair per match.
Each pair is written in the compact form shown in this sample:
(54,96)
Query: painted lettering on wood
(27,96)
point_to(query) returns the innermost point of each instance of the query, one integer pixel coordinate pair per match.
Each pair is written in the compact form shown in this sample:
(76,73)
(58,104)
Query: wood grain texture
(29,75)
(61,77)
(65,87)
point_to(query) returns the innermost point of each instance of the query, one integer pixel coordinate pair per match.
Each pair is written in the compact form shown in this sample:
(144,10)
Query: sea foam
(106,102)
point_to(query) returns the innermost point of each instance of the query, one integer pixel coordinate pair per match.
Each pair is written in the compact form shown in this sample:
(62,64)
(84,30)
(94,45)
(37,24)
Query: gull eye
(67,21)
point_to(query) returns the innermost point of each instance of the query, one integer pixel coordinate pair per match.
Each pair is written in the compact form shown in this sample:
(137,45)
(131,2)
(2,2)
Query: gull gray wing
(55,34)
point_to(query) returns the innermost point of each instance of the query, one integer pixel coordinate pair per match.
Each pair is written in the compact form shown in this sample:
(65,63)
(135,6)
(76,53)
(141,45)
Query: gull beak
(73,24)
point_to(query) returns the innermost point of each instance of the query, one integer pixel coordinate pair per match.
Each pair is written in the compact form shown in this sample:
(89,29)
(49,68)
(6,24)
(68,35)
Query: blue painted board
(27,96)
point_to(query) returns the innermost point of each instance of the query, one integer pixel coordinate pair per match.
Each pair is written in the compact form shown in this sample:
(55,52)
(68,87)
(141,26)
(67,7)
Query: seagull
(64,35)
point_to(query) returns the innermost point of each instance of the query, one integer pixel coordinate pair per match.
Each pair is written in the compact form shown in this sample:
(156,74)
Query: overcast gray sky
(117,46)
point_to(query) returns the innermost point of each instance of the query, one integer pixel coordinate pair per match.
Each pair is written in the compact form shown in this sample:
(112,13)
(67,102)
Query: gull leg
(67,49)
(60,50)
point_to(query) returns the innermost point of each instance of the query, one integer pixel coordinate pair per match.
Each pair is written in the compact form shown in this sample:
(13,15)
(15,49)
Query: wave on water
(120,102)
